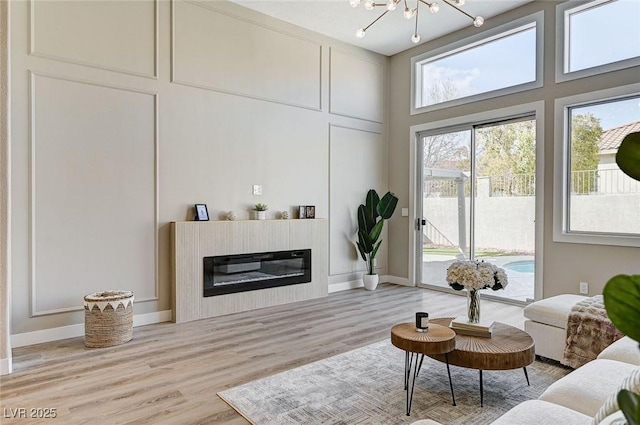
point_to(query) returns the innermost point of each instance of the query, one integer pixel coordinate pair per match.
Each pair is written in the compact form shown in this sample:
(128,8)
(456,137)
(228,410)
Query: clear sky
(604,34)
(614,114)
(617,36)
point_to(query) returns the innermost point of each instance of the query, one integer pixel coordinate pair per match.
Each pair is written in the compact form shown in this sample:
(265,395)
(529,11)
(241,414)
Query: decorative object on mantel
(411,13)
(302,211)
(371,217)
(311,211)
(231,215)
(473,276)
(108,318)
(284,215)
(201,212)
(261,211)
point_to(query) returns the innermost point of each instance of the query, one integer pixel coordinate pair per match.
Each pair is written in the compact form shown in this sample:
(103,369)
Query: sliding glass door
(477,201)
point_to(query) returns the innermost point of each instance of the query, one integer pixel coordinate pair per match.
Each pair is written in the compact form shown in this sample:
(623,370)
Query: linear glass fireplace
(226,274)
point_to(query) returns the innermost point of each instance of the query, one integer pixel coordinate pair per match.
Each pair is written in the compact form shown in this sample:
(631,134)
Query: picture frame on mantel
(202,214)
(311,211)
(302,211)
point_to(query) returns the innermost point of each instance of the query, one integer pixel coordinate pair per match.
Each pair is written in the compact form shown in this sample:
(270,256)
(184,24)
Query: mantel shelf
(250,220)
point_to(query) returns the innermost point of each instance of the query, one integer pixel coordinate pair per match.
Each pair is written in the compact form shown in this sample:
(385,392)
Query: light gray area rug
(366,386)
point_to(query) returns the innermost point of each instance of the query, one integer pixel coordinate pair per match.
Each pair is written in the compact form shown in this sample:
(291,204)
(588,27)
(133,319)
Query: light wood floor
(170,374)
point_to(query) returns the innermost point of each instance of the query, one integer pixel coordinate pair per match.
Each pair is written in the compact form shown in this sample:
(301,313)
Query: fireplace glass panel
(246,272)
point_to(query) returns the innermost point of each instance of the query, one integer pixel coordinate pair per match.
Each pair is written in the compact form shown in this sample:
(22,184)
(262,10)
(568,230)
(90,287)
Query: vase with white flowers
(473,276)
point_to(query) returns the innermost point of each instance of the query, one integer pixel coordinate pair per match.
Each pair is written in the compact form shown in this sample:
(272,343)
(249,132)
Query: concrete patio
(521,284)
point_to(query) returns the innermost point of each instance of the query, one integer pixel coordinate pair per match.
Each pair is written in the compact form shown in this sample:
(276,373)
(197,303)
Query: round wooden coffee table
(439,340)
(508,348)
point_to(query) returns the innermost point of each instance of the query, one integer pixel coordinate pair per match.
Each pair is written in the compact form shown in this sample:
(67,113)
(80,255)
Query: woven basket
(108,318)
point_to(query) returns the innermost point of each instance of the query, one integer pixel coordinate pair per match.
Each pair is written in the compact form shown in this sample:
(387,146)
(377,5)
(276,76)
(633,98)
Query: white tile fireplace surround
(193,240)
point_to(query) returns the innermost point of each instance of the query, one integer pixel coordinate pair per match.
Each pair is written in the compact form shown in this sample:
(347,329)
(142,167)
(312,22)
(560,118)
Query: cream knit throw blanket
(589,331)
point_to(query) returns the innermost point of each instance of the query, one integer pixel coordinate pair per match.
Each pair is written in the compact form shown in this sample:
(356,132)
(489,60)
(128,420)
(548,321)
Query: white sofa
(577,398)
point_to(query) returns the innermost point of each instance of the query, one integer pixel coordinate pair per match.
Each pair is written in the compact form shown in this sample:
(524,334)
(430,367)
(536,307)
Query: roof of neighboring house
(612,138)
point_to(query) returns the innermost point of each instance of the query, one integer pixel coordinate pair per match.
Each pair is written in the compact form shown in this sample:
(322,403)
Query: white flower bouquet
(476,275)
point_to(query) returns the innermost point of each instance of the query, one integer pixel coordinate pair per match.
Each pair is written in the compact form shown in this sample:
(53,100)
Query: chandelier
(411,13)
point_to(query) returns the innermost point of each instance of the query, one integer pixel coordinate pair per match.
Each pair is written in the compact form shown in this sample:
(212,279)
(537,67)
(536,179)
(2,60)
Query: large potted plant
(622,292)
(371,217)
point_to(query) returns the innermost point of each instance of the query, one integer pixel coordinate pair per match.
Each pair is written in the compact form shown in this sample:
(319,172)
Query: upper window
(598,200)
(496,62)
(599,36)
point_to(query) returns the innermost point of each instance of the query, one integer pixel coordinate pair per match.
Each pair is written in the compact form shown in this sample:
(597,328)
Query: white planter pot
(370,281)
(261,215)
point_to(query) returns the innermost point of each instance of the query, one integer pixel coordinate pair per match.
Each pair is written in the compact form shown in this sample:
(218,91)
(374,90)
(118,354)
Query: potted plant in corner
(371,217)
(261,211)
(622,292)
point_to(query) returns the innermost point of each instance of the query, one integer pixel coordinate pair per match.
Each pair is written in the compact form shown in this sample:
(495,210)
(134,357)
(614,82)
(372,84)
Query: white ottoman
(547,323)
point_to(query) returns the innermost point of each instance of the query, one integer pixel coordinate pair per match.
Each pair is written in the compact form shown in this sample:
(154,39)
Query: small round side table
(438,340)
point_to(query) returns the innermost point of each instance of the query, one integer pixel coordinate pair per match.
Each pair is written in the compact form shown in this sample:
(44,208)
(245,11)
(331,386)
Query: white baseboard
(396,280)
(151,318)
(352,284)
(6,367)
(344,286)
(73,331)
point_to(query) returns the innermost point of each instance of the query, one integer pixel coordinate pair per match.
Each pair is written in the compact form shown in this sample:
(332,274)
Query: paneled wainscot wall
(126,113)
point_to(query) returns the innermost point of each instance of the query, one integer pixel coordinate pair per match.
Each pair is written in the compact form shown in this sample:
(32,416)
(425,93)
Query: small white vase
(261,215)
(370,281)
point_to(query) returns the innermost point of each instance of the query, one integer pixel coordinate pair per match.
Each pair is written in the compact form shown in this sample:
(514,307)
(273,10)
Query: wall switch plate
(405,212)
(584,288)
(257,189)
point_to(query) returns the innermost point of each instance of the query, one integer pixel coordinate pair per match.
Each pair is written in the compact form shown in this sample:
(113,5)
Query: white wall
(5,229)
(513,215)
(125,114)
(564,264)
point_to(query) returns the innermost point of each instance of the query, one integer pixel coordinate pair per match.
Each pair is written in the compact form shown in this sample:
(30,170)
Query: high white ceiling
(391,34)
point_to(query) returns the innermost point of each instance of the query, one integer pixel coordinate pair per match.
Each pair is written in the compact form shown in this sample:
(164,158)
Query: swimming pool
(525,266)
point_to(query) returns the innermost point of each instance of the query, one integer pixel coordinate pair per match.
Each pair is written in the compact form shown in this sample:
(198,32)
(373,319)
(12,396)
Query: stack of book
(460,325)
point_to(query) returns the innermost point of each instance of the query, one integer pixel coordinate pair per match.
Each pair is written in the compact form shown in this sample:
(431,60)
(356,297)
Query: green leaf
(622,302)
(365,219)
(372,204)
(375,251)
(362,253)
(362,218)
(365,241)
(628,155)
(630,405)
(375,232)
(456,286)
(387,205)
